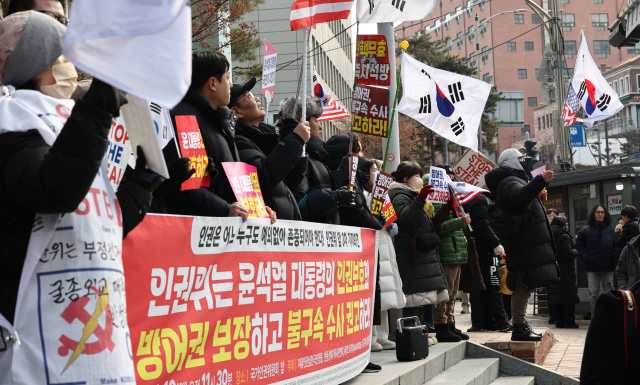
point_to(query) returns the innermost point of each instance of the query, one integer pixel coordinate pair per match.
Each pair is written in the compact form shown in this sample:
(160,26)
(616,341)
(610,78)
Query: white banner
(387,11)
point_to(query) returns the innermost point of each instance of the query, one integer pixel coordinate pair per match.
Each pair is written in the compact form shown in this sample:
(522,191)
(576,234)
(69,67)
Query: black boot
(458,332)
(531,330)
(443,334)
(522,333)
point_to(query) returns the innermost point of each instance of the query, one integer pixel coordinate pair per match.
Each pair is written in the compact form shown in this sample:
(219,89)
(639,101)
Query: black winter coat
(359,215)
(38,178)
(423,273)
(595,245)
(564,293)
(628,269)
(259,147)
(217,127)
(314,193)
(338,147)
(629,231)
(486,240)
(533,251)
(603,360)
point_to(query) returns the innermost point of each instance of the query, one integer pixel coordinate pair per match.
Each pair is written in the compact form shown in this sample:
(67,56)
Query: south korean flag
(388,11)
(447,103)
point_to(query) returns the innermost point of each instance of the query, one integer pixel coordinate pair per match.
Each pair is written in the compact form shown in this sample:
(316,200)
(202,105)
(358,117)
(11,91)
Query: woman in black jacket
(563,296)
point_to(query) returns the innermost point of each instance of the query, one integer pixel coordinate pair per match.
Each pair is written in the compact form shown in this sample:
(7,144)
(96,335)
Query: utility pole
(478,69)
(393,158)
(606,138)
(599,148)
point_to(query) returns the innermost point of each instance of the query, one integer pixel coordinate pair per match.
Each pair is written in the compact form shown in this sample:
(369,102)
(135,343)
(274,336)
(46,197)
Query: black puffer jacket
(259,147)
(337,146)
(38,178)
(629,231)
(628,269)
(314,193)
(486,240)
(217,127)
(595,245)
(533,251)
(359,215)
(566,292)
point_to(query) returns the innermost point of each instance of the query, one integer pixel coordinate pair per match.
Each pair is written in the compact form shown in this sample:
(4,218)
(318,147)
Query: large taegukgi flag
(306,13)
(447,103)
(387,11)
(596,96)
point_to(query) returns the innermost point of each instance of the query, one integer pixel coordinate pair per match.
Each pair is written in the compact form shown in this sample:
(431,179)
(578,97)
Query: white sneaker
(375,346)
(465,309)
(432,341)
(386,344)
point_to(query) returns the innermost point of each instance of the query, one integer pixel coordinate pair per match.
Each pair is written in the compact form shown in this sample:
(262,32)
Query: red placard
(372,61)
(192,147)
(222,302)
(246,187)
(389,211)
(472,168)
(353,169)
(370,110)
(380,188)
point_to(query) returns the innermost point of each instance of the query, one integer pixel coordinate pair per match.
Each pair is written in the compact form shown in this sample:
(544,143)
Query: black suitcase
(412,342)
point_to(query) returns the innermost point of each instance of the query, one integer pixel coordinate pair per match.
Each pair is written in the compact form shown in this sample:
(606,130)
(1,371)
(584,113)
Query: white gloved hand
(392,229)
(498,250)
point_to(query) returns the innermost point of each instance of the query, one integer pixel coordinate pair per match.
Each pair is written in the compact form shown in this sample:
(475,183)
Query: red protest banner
(191,146)
(372,60)
(249,302)
(246,187)
(380,188)
(389,211)
(370,110)
(472,167)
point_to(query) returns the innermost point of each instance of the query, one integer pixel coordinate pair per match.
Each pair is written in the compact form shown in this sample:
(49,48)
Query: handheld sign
(389,211)
(370,110)
(118,152)
(191,146)
(353,169)
(381,183)
(472,168)
(246,187)
(438,179)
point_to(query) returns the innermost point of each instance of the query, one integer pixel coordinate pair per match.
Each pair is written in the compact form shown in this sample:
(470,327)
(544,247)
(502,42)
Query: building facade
(511,50)
(332,57)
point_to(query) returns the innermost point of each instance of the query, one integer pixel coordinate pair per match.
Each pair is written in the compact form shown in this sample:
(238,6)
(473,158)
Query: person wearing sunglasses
(51,8)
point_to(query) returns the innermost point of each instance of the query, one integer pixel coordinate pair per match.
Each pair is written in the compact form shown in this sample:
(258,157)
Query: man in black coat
(530,250)
(207,100)
(628,269)
(563,296)
(258,145)
(629,230)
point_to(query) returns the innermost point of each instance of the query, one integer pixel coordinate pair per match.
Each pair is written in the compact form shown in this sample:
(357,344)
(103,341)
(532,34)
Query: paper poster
(118,152)
(381,183)
(269,71)
(370,110)
(372,61)
(472,168)
(438,179)
(192,147)
(389,211)
(246,187)
(614,204)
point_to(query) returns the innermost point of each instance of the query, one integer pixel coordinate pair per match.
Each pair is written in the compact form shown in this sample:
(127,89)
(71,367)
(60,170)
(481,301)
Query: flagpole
(455,198)
(404,45)
(353,96)
(304,83)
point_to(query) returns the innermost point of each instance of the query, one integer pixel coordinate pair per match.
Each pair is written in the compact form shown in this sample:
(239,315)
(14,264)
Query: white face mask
(416,183)
(66,81)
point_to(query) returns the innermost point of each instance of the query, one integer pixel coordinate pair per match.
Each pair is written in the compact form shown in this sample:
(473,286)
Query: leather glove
(450,205)
(211,167)
(344,197)
(106,97)
(382,219)
(425,191)
(287,126)
(498,250)
(179,171)
(143,176)
(392,229)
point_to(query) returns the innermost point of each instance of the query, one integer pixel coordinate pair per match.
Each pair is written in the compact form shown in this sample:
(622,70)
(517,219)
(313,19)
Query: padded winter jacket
(453,248)
(565,292)
(595,245)
(628,269)
(533,251)
(391,295)
(486,239)
(260,147)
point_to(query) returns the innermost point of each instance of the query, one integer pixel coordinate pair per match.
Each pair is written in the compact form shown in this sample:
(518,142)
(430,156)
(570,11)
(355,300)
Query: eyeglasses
(62,19)
(244,97)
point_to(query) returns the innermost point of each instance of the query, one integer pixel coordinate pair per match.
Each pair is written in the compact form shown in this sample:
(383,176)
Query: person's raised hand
(547,175)
(426,190)
(344,197)
(618,228)
(466,219)
(382,219)
(303,131)
(238,210)
(498,250)
(450,205)
(179,171)
(272,214)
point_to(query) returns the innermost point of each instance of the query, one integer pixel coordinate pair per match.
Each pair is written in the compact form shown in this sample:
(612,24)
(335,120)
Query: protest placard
(269,71)
(162,123)
(381,182)
(370,110)
(353,169)
(251,302)
(389,211)
(246,187)
(438,179)
(472,167)
(192,147)
(372,61)
(118,152)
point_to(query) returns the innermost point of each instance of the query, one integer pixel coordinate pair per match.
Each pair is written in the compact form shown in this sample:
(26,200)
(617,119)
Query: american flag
(307,13)
(571,108)
(331,109)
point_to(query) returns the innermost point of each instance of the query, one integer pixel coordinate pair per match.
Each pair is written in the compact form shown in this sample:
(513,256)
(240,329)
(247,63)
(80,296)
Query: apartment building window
(437,30)
(483,30)
(537,71)
(615,87)
(472,60)
(635,50)
(486,78)
(539,126)
(638,83)
(627,83)
(601,48)
(564,1)
(459,14)
(528,46)
(485,54)
(482,5)
(447,25)
(598,1)
(570,48)
(535,19)
(522,74)
(568,21)
(600,21)
(511,46)
(543,123)
(460,40)
(470,34)
(622,86)
(532,101)
(519,19)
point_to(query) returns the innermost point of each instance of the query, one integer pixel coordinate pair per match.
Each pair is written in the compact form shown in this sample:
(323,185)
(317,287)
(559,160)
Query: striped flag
(331,109)
(307,13)
(571,107)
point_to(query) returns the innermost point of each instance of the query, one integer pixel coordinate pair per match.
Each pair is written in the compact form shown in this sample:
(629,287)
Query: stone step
(475,371)
(514,381)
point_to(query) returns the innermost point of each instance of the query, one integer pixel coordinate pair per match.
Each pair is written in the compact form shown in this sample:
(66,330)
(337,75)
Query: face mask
(66,81)
(416,183)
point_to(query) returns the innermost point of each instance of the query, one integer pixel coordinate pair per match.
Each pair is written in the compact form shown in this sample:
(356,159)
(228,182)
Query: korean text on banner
(353,169)
(372,61)
(381,183)
(118,152)
(472,168)
(249,302)
(389,211)
(192,147)
(246,187)
(370,110)
(269,71)
(438,179)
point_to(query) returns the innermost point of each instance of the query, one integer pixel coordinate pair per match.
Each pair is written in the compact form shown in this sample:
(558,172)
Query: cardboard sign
(370,110)
(192,147)
(372,61)
(249,303)
(353,169)
(389,211)
(472,167)
(438,179)
(246,187)
(381,183)
(118,152)
(269,71)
